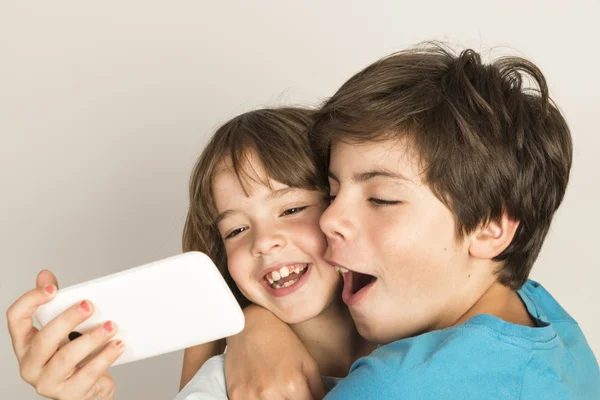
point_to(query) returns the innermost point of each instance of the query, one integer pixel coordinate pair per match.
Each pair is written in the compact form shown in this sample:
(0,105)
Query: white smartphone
(163,306)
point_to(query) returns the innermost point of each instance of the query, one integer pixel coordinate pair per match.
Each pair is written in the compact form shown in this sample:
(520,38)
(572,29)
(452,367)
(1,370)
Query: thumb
(46,278)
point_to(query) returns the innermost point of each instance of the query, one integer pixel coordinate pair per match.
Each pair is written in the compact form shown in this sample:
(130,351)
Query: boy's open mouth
(355,285)
(286,276)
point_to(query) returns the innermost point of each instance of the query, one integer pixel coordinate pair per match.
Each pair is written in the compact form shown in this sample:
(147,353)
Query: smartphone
(160,307)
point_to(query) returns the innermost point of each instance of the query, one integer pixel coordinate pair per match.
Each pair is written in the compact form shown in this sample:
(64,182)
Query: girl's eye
(236,232)
(383,203)
(293,210)
(330,198)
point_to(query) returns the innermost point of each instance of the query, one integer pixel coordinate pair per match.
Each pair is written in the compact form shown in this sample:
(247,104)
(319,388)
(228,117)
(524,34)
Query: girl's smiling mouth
(286,279)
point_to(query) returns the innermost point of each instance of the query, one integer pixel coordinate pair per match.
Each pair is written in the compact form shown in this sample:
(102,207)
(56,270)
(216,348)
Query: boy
(444,176)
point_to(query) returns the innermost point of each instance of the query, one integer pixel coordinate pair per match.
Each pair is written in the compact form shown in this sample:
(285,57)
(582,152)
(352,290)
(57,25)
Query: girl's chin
(295,318)
(298,312)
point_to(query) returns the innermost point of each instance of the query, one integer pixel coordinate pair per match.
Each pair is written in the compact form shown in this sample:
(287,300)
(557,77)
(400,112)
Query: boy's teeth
(275,275)
(284,272)
(297,270)
(341,269)
(270,280)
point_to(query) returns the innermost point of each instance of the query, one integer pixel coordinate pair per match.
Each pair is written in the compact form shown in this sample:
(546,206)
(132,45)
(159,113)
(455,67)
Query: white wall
(104,107)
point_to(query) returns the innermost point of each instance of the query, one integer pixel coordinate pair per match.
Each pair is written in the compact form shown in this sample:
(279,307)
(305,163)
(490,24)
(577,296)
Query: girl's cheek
(313,239)
(233,263)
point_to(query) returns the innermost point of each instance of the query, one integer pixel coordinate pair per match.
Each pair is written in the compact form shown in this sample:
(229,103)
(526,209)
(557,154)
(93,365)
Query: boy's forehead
(398,157)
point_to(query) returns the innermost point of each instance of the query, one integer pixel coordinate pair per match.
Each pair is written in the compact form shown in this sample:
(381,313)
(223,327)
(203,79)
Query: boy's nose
(337,223)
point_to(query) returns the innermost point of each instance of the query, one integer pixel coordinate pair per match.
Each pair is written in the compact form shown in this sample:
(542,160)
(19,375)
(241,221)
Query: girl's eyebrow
(273,195)
(223,215)
(281,192)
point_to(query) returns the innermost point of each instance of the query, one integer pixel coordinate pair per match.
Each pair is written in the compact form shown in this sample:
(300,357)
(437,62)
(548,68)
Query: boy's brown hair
(488,142)
(278,136)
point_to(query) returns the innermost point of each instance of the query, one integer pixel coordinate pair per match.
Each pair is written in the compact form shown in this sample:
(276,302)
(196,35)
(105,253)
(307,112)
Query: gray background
(104,106)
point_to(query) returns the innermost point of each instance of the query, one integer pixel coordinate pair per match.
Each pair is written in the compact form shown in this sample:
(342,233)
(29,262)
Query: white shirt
(209,382)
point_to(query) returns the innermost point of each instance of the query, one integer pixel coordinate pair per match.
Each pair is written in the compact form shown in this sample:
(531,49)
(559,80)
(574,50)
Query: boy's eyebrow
(361,177)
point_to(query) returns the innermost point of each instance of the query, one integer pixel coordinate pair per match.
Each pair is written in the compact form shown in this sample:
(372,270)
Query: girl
(255,201)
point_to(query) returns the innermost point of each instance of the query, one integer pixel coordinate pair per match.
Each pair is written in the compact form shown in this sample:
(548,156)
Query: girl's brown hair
(278,136)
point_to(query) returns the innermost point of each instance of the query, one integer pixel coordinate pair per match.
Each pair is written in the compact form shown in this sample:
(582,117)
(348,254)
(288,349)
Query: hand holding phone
(55,372)
(157,308)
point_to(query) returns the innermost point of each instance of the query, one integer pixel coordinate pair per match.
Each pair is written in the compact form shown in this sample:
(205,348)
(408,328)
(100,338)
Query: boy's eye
(383,203)
(235,233)
(293,210)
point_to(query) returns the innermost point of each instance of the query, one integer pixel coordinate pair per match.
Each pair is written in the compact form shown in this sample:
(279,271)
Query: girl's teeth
(287,284)
(284,272)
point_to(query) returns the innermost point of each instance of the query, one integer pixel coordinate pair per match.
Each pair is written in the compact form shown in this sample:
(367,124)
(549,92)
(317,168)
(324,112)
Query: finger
(315,382)
(46,342)
(85,378)
(19,317)
(62,365)
(46,278)
(305,394)
(299,390)
(104,388)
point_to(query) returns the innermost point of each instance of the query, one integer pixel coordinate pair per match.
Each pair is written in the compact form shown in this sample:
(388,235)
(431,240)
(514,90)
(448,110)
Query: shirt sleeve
(208,383)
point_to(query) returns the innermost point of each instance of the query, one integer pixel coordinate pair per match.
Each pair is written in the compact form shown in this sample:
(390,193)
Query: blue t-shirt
(484,358)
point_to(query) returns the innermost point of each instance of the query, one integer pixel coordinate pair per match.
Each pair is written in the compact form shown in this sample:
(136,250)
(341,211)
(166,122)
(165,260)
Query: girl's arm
(195,357)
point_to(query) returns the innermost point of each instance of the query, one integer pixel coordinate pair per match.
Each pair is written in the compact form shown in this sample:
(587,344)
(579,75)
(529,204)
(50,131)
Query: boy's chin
(377,331)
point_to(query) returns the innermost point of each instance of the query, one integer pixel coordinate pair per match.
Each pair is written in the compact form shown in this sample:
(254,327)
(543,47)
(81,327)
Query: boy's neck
(332,340)
(502,302)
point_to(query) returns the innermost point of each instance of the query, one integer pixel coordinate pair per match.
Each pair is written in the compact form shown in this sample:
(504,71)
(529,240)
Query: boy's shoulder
(541,304)
(452,363)
(485,357)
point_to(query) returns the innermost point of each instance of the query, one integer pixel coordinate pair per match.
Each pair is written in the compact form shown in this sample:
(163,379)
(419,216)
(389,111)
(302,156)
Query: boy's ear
(493,238)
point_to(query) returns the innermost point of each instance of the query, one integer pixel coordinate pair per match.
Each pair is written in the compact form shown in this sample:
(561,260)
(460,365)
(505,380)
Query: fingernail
(109,326)
(85,306)
(49,289)
(120,345)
